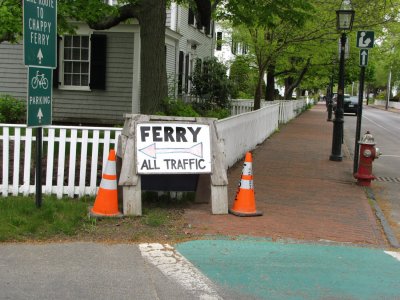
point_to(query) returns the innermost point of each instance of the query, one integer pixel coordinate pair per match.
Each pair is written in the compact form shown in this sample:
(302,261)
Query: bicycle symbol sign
(39,100)
(39,81)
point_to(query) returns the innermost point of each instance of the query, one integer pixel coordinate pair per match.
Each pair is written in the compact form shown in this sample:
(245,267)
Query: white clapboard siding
(62,160)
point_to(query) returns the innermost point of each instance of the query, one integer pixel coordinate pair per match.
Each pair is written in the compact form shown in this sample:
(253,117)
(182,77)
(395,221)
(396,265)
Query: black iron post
(38,167)
(337,139)
(359,117)
(330,99)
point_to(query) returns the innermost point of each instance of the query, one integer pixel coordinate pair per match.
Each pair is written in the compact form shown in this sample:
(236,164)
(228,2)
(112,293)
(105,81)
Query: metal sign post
(359,117)
(365,40)
(40,55)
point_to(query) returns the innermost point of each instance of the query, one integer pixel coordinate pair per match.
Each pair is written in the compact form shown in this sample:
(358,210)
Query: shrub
(219,114)
(211,84)
(12,110)
(175,107)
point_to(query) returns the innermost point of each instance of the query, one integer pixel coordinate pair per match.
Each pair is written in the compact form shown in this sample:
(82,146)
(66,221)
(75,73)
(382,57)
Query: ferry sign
(173,148)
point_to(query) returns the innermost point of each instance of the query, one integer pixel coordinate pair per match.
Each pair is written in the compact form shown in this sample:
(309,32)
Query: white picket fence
(71,155)
(74,156)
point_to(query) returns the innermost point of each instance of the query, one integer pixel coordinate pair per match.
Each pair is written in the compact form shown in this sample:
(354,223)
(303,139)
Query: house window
(234,47)
(82,62)
(76,61)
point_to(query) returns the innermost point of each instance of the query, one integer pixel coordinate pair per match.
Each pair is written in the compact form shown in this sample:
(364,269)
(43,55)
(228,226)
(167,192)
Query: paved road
(384,126)
(98,271)
(227,269)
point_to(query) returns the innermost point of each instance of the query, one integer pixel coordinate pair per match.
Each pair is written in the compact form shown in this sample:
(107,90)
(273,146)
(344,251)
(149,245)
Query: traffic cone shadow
(245,204)
(106,203)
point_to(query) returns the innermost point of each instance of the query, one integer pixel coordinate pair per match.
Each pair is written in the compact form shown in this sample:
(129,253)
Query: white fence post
(6,143)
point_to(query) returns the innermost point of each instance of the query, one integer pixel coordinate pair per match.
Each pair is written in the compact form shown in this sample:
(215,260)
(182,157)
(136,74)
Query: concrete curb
(381,216)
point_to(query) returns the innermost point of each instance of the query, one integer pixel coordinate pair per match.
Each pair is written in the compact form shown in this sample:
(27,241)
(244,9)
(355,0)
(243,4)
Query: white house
(97,79)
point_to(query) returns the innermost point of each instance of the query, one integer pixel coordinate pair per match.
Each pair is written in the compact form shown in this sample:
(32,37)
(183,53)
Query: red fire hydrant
(368,153)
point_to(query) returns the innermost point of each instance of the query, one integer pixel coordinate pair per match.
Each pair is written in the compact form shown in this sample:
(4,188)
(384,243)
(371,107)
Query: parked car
(334,100)
(350,105)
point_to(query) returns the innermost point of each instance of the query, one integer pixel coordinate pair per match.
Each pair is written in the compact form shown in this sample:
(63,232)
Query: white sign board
(173,148)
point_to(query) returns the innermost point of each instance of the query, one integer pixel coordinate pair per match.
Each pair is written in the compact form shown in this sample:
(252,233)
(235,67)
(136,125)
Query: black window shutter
(98,62)
(187,73)
(56,80)
(207,28)
(191,17)
(180,70)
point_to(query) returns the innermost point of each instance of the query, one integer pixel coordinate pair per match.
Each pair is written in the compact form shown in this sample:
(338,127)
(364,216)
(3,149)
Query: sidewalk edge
(381,216)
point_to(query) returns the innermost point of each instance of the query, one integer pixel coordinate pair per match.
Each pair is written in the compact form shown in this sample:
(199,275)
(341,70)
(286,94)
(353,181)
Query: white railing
(74,157)
(244,132)
(288,109)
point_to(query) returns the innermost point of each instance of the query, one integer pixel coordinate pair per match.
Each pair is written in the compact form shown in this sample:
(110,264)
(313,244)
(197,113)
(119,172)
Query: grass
(21,220)
(67,220)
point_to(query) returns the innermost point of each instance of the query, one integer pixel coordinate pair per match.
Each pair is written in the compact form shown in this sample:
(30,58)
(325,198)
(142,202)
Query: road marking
(172,264)
(387,155)
(396,255)
(384,128)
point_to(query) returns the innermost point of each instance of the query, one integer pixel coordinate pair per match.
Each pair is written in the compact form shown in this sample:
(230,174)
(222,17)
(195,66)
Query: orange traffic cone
(245,204)
(106,203)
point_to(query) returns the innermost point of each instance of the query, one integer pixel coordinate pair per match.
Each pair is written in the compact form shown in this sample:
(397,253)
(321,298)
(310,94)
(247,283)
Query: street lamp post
(345,18)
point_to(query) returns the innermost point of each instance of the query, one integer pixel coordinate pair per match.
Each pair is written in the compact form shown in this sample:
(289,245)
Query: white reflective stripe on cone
(247,168)
(246,184)
(108,184)
(111,168)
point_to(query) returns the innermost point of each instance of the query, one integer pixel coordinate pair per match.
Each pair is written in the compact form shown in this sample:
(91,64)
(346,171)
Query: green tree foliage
(211,84)
(265,26)
(10,20)
(298,41)
(243,78)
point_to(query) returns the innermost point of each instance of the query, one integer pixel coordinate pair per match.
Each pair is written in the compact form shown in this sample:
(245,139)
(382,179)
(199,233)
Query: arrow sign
(363,57)
(39,96)
(40,56)
(152,150)
(40,115)
(40,33)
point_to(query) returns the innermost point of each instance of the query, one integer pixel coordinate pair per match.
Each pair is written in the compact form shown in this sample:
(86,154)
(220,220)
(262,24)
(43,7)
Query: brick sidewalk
(302,193)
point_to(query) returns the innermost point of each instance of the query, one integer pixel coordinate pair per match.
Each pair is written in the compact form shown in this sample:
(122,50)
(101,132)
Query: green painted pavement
(278,270)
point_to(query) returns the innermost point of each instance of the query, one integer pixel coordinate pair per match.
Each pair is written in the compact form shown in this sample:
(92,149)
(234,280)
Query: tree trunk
(291,83)
(289,88)
(153,83)
(270,89)
(258,92)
